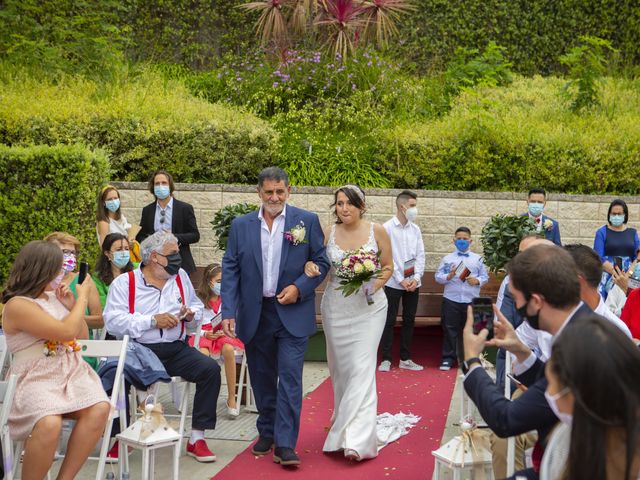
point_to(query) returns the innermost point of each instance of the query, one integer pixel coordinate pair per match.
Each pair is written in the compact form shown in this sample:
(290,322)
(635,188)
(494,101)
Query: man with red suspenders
(152,305)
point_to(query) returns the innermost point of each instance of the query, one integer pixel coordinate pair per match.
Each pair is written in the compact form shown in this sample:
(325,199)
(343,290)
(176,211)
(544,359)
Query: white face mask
(411,213)
(552,400)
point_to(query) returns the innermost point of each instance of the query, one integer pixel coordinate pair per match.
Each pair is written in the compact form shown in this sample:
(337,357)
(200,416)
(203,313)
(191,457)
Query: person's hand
(452,274)
(288,295)
(66,297)
(473,281)
(311,269)
(229,327)
(504,336)
(413,284)
(186,314)
(209,335)
(608,267)
(473,344)
(621,279)
(166,320)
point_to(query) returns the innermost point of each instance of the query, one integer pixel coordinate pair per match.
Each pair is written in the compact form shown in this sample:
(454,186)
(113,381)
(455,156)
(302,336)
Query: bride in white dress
(353,329)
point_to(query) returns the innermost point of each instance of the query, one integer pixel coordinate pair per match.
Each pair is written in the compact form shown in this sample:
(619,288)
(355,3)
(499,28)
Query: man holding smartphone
(544,284)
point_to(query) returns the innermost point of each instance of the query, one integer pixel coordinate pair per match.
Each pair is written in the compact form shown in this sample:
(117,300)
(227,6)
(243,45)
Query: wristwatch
(154,323)
(466,365)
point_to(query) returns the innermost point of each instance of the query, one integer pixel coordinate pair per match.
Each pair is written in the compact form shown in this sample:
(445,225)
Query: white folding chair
(244,382)
(7,391)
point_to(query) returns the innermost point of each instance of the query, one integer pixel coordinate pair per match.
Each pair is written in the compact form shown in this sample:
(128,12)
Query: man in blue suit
(269,303)
(536,200)
(545,287)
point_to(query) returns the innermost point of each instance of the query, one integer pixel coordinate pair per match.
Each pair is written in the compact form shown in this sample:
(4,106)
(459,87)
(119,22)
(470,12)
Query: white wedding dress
(353,330)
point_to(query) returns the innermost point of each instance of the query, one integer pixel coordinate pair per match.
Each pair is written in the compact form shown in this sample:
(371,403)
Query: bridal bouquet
(357,268)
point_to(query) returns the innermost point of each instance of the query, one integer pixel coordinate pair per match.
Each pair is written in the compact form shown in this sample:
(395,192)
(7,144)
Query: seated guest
(152,305)
(169,214)
(543,280)
(113,261)
(616,242)
(593,389)
(536,201)
(41,314)
(213,341)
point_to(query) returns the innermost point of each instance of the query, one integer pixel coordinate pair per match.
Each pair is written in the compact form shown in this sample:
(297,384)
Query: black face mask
(174,262)
(533,320)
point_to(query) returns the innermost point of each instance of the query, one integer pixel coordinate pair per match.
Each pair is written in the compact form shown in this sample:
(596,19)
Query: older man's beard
(274,209)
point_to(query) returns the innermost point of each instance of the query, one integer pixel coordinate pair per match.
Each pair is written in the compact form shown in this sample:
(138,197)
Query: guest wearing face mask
(463,274)
(213,341)
(404,285)
(113,261)
(536,201)
(616,243)
(169,214)
(597,399)
(109,217)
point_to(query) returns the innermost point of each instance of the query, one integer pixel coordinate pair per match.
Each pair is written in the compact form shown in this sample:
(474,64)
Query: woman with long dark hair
(593,389)
(114,260)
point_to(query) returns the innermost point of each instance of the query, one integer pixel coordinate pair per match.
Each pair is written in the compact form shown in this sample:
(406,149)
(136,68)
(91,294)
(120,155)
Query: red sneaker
(112,454)
(200,451)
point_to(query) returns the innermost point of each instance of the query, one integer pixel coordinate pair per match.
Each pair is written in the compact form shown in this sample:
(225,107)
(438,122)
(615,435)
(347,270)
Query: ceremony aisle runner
(426,394)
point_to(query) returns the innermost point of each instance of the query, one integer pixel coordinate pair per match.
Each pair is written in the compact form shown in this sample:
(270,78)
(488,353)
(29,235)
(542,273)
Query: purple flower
(350,75)
(275,84)
(220,75)
(369,63)
(353,86)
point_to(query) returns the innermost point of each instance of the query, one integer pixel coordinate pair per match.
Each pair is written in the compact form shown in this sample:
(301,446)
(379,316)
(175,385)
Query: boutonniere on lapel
(297,234)
(548,224)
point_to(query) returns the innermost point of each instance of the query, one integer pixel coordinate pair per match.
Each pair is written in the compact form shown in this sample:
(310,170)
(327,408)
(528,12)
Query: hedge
(48,188)
(144,123)
(515,137)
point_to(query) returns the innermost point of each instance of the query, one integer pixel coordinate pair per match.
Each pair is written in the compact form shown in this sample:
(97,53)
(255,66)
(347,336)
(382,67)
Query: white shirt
(168,217)
(406,244)
(501,290)
(540,342)
(271,242)
(149,301)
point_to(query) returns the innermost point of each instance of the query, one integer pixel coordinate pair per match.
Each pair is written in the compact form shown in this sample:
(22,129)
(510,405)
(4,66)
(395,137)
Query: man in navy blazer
(536,200)
(544,284)
(269,303)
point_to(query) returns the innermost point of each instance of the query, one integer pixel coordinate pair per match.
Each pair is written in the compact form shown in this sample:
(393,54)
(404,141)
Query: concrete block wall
(440,212)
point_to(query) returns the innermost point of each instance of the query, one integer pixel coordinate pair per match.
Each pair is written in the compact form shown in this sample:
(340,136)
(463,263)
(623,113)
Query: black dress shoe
(285,457)
(262,446)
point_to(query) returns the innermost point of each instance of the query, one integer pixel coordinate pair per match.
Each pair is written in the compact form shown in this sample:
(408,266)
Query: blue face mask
(112,205)
(462,245)
(121,258)
(535,209)
(216,288)
(161,191)
(616,220)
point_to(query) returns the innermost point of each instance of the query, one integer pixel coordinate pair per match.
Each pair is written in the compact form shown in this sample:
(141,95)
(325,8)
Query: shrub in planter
(501,237)
(222,220)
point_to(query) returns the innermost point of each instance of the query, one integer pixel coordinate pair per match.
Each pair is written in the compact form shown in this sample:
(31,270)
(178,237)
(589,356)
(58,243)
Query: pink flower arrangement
(356,268)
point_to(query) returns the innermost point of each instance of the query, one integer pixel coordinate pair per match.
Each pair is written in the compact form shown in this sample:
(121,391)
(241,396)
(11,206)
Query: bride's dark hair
(356,198)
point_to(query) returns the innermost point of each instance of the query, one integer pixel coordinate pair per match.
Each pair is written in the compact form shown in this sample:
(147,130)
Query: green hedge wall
(143,124)
(45,189)
(510,139)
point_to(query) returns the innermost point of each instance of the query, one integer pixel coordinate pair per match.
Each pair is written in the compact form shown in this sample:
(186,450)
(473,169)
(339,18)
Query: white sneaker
(385,366)
(410,365)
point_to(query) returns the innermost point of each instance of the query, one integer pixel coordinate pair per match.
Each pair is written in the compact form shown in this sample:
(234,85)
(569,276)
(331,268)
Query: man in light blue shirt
(463,274)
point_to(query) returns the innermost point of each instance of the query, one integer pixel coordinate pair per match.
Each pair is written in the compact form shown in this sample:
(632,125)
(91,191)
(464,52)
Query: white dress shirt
(168,217)
(149,301)
(540,342)
(455,289)
(271,241)
(406,244)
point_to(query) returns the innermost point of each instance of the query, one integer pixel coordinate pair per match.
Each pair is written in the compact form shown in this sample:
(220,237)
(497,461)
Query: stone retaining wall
(440,212)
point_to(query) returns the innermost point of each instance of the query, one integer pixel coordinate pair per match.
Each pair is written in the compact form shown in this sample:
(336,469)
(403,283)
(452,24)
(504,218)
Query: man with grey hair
(152,305)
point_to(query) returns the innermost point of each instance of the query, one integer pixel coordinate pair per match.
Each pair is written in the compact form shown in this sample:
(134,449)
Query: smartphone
(482,314)
(617,261)
(517,382)
(84,269)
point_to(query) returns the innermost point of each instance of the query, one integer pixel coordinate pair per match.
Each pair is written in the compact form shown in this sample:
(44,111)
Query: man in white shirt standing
(408,266)
(152,305)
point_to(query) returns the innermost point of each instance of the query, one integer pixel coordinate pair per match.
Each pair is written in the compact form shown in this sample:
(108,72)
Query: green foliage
(45,189)
(222,220)
(144,123)
(501,237)
(61,36)
(512,138)
(587,64)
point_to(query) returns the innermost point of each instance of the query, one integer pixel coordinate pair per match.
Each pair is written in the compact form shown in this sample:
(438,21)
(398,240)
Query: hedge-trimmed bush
(48,188)
(144,124)
(515,137)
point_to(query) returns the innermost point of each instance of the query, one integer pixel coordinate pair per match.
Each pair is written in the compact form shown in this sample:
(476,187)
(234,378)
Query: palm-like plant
(343,23)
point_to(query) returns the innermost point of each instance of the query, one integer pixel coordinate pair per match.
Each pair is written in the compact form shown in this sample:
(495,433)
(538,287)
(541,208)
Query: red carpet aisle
(427,394)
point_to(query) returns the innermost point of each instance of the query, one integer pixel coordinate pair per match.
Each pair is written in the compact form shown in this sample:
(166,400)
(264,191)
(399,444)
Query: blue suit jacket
(554,233)
(242,274)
